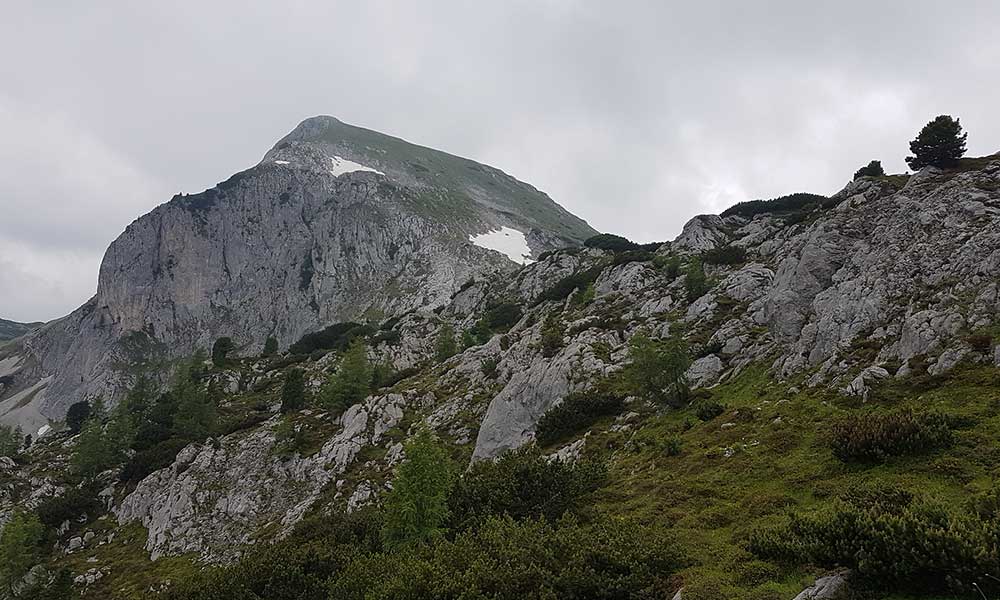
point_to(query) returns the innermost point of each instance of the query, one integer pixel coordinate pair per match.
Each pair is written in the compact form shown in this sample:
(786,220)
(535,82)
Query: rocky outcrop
(335,223)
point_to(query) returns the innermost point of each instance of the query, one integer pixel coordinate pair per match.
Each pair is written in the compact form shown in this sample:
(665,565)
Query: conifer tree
(352,380)
(939,144)
(293,391)
(417,506)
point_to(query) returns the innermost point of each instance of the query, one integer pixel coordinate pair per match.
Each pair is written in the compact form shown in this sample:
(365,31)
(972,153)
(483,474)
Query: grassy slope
(780,461)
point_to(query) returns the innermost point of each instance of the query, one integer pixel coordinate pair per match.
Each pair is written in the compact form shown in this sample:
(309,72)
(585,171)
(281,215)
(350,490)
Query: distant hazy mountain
(12,329)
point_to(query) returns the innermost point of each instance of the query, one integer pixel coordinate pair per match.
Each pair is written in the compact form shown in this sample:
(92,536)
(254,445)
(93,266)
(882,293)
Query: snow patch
(342,165)
(282,162)
(43,430)
(507,241)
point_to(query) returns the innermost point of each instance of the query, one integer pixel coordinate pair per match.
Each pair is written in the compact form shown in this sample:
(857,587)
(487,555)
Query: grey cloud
(634,115)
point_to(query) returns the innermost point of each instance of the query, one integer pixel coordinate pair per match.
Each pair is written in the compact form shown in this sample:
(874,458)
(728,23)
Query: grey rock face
(336,223)
(831,587)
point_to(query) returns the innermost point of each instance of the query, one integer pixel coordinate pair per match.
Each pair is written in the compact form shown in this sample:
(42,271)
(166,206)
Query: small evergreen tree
(104,441)
(417,506)
(270,347)
(352,380)
(10,441)
(77,415)
(695,280)
(293,391)
(939,144)
(658,369)
(873,169)
(445,347)
(196,413)
(20,549)
(221,349)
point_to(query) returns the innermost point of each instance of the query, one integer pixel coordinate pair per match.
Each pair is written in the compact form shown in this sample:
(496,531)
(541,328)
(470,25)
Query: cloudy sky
(635,116)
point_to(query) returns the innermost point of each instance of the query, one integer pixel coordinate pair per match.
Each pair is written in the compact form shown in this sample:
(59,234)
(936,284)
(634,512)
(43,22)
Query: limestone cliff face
(335,223)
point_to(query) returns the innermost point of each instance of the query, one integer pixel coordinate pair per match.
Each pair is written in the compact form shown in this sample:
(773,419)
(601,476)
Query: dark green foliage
(270,347)
(567,285)
(506,559)
(77,414)
(351,382)
(873,169)
(695,280)
(335,337)
(152,458)
(523,484)
(196,414)
(707,409)
(59,588)
(489,367)
(295,568)
(501,317)
(892,543)
(939,144)
(575,413)
(416,508)
(20,547)
(669,265)
(103,443)
(980,342)
(672,446)
(552,335)
(391,337)
(293,391)
(396,376)
(73,503)
(725,255)
(789,203)
(876,436)
(445,346)
(658,369)
(609,241)
(221,349)
(10,441)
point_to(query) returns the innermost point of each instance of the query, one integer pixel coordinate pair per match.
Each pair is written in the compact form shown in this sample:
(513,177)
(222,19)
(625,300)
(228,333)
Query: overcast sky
(634,116)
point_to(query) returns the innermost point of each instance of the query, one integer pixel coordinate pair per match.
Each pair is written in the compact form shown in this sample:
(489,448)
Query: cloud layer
(634,115)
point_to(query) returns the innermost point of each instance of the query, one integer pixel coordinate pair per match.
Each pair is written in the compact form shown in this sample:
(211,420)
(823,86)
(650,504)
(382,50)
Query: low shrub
(74,503)
(501,317)
(508,559)
(565,286)
(610,241)
(893,543)
(157,457)
(707,409)
(873,437)
(725,255)
(523,484)
(980,342)
(335,337)
(575,413)
(791,202)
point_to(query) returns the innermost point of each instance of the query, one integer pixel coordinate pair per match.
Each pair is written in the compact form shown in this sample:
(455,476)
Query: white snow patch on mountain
(342,165)
(505,240)
(281,162)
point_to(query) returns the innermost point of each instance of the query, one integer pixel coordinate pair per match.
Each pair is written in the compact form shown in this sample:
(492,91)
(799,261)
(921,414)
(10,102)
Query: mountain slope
(877,302)
(12,329)
(336,223)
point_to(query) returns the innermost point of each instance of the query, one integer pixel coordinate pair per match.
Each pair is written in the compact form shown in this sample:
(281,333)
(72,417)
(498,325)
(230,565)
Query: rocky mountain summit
(797,316)
(335,223)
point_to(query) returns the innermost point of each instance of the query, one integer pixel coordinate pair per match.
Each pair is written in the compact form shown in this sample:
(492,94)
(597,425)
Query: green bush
(270,347)
(489,367)
(351,382)
(445,346)
(523,484)
(20,547)
(502,317)
(506,559)
(610,241)
(153,458)
(10,441)
(575,413)
(695,280)
(293,391)
(725,255)
(707,409)
(416,507)
(873,169)
(552,335)
(892,545)
(561,289)
(335,337)
(657,369)
(789,203)
(875,436)
(73,503)
(221,349)
(77,415)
